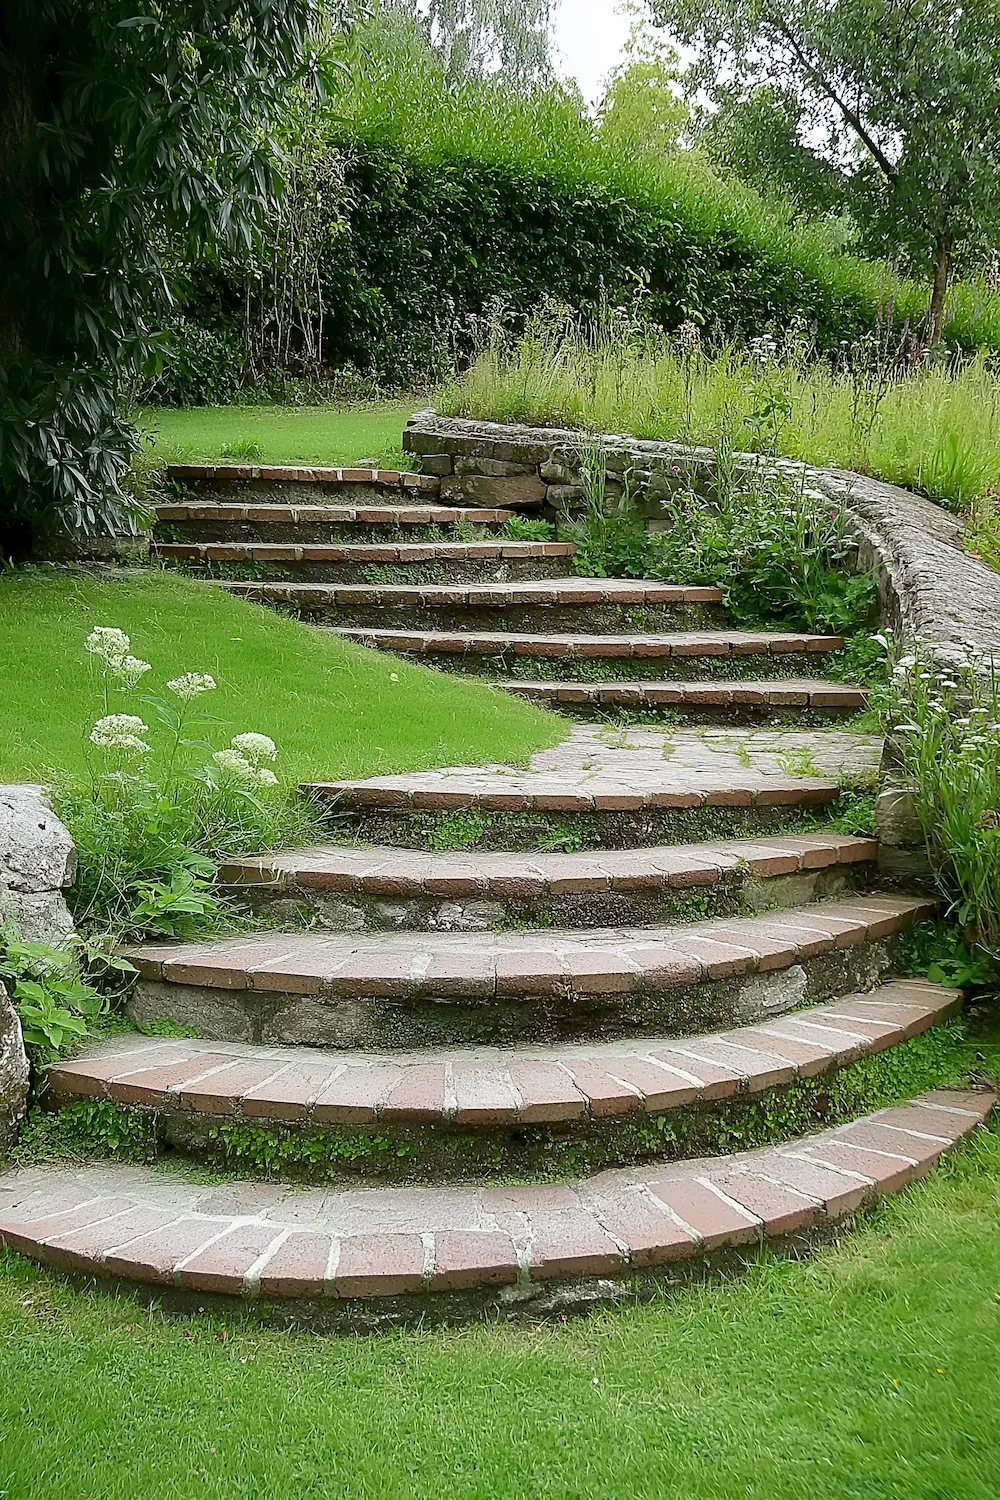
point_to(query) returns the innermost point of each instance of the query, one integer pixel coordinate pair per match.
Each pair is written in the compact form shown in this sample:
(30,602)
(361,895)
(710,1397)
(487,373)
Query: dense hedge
(430,243)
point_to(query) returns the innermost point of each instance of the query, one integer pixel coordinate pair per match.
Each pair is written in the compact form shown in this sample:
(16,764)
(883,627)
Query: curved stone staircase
(536,1009)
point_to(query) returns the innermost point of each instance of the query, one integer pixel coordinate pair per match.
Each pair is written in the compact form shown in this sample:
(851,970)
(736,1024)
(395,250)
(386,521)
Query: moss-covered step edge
(543,1250)
(253,576)
(600,619)
(288,903)
(359,1023)
(542,832)
(496,668)
(296,527)
(392,1152)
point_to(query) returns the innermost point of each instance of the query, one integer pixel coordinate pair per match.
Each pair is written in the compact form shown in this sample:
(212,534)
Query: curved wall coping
(932,590)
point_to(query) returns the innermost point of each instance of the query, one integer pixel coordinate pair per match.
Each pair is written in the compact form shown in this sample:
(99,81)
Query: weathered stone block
(13,1074)
(492,491)
(896,819)
(36,851)
(565,496)
(436,463)
(496,467)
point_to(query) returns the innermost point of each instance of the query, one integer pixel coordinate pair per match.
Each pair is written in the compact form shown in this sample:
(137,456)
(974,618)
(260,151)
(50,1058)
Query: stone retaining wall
(932,590)
(37,863)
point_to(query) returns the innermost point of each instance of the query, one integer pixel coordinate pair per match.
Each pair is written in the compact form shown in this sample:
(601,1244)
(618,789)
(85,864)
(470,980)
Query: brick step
(291,484)
(511,654)
(490,1111)
(312,578)
(807,700)
(350,889)
(349,1259)
(624,789)
(606,604)
(274,522)
(359,990)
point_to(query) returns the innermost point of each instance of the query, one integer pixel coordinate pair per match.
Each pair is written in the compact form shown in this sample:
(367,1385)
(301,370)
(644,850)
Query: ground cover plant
(335,435)
(867,1370)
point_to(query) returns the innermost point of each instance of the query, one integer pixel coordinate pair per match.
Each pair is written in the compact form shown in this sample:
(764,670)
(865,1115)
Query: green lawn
(334,709)
(866,1373)
(280,434)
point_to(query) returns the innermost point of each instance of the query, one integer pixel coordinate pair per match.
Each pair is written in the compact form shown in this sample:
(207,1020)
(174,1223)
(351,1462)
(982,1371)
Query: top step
(385,479)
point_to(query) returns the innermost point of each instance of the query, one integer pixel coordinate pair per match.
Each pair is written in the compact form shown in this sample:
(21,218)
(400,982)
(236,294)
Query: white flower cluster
(120,732)
(112,648)
(242,760)
(191,684)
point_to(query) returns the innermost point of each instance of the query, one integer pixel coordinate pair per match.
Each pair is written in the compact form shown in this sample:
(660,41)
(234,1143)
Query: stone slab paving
(498,1086)
(595,769)
(482,966)
(266,1239)
(459,873)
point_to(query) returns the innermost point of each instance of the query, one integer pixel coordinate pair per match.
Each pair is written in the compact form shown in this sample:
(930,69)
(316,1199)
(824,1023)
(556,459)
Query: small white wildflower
(256,747)
(120,732)
(129,670)
(191,684)
(264,777)
(110,644)
(232,763)
(393,676)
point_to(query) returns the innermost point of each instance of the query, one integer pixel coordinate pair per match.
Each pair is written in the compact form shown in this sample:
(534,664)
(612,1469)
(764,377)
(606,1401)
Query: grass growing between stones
(867,1371)
(279,434)
(333,708)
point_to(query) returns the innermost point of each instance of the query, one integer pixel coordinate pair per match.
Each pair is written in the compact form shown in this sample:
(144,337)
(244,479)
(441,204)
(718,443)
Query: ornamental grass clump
(946,729)
(163,805)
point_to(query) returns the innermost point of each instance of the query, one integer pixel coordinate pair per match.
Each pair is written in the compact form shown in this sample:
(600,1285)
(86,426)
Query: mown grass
(937,431)
(865,1373)
(278,434)
(333,708)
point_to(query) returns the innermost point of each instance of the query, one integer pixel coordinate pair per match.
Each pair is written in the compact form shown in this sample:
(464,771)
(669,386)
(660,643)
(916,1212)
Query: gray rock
(13,1074)
(36,851)
(896,819)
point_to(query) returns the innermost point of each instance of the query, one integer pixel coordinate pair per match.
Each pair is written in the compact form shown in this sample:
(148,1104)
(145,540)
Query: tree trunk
(945,243)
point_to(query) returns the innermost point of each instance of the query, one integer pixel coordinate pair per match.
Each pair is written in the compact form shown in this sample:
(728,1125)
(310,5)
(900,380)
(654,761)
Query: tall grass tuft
(936,429)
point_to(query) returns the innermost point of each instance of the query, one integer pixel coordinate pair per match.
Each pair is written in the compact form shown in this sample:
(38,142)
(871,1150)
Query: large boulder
(37,863)
(13,1074)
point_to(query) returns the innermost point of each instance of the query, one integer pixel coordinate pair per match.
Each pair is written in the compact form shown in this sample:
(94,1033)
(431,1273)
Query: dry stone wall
(932,590)
(37,863)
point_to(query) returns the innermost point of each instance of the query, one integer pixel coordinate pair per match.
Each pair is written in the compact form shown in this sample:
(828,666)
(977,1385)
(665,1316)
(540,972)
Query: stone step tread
(249,1239)
(692,643)
(585,592)
(405,873)
(382,552)
(390,479)
(784,692)
(487,965)
(337,515)
(499,1086)
(597,770)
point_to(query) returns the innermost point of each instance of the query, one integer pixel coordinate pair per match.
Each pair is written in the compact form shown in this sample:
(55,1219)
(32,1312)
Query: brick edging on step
(932,590)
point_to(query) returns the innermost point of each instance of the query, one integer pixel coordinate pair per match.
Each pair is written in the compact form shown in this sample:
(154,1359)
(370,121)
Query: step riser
(711,715)
(386,1150)
(610,619)
(430,1019)
(534,832)
(359,911)
(597,668)
(323,534)
(352,492)
(255,579)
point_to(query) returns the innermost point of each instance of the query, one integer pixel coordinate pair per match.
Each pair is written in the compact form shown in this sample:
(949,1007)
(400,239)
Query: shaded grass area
(866,1372)
(333,708)
(279,434)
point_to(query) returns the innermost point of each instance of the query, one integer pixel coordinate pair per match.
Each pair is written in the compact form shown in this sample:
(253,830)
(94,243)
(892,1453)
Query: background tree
(478,37)
(758,137)
(643,106)
(903,95)
(123,123)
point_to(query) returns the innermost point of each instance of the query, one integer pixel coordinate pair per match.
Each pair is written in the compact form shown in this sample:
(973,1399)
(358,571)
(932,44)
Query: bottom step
(370,1257)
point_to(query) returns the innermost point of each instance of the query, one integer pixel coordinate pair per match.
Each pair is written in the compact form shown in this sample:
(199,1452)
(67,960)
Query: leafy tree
(643,108)
(903,94)
(758,137)
(123,123)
